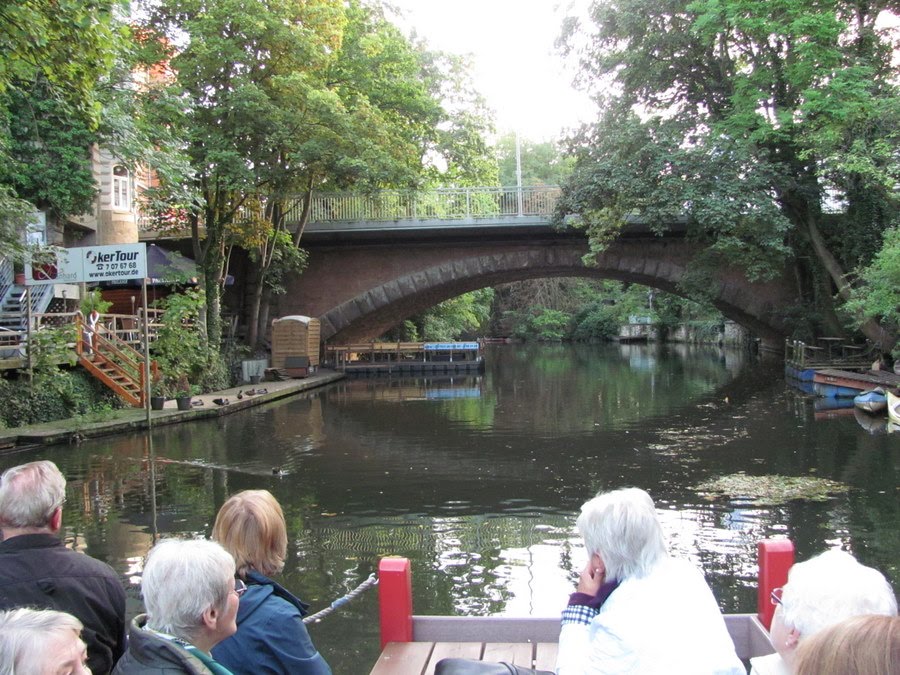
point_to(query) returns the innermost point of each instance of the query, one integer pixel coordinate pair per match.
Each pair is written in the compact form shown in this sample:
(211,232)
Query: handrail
(407,205)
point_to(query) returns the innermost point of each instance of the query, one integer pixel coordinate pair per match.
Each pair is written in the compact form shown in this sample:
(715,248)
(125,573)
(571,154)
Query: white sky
(516,67)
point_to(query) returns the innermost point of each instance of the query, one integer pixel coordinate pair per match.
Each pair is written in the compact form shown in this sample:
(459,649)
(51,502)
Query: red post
(395,600)
(775,559)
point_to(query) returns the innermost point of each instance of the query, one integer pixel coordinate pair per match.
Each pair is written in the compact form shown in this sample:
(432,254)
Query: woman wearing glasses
(271,636)
(821,592)
(192,600)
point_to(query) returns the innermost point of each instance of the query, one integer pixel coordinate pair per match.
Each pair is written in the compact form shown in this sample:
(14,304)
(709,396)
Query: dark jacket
(271,637)
(151,654)
(37,570)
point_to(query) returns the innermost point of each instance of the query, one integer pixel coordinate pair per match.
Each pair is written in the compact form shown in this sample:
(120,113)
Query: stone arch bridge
(375,261)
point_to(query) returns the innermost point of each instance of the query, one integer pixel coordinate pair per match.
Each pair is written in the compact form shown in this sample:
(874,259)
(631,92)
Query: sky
(515,65)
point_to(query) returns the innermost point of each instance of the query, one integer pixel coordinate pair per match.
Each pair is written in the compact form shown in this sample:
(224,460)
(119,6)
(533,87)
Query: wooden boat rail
(412,645)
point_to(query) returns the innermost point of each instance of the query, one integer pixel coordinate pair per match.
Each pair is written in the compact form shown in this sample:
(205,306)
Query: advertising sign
(89,264)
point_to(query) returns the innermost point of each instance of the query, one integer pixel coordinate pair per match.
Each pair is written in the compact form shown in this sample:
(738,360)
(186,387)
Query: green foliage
(542,162)
(48,154)
(69,43)
(181,347)
(542,324)
(47,349)
(596,321)
(453,318)
(314,96)
(741,116)
(93,299)
(878,295)
(68,393)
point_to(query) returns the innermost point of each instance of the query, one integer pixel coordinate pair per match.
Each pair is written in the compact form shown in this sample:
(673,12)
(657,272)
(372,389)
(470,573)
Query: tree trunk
(253,327)
(883,339)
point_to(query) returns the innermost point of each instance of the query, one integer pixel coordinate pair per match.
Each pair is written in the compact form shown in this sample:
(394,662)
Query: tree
(748,117)
(277,101)
(55,56)
(543,163)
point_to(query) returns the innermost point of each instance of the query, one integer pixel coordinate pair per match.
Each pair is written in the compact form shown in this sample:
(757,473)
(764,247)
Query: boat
(406,357)
(871,401)
(412,644)
(893,407)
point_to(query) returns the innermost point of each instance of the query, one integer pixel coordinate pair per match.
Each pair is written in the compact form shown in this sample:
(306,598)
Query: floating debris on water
(770,490)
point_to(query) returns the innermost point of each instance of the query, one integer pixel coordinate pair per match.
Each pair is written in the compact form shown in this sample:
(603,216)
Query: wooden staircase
(115,363)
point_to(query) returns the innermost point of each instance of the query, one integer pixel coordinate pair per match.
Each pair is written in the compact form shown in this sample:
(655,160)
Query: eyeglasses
(776,596)
(239,587)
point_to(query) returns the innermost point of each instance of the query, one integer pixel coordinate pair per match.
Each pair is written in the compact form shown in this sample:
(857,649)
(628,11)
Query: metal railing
(440,204)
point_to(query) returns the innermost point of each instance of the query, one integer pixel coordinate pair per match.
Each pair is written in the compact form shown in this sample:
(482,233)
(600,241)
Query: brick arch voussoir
(375,311)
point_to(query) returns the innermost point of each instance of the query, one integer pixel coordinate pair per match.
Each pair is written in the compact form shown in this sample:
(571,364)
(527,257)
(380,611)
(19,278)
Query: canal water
(477,479)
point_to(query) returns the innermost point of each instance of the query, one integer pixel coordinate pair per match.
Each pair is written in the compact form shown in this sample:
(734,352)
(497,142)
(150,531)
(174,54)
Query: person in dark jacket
(192,599)
(271,636)
(38,571)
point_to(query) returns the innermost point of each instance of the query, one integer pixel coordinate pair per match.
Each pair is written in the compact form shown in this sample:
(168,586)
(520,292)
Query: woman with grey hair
(191,598)
(820,592)
(637,610)
(41,642)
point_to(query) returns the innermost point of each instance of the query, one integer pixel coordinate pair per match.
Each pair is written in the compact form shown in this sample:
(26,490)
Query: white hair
(622,528)
(832,587)
(182,579)
(24,634)
(30,493)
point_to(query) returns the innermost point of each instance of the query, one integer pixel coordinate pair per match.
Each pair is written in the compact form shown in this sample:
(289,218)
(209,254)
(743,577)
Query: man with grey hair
(819,593)
(636,610)
(41,641)
(38,570)
(192,599)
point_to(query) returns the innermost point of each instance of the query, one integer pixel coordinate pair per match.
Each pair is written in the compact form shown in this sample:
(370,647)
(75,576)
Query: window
(121,188)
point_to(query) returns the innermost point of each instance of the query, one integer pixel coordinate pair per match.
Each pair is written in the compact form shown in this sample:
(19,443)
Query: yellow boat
(893,406)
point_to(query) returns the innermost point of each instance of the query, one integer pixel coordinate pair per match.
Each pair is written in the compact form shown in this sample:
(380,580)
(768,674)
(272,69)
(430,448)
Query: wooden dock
(831,382)
(413,645)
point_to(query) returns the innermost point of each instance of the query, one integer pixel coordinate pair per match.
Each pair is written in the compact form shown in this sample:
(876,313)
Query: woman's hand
(592,577)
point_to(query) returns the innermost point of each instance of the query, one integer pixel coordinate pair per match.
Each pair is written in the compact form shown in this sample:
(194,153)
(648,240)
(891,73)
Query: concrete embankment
(205,406)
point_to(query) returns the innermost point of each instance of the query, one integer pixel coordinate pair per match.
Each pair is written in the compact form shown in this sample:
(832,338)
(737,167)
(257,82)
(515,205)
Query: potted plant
(183,392)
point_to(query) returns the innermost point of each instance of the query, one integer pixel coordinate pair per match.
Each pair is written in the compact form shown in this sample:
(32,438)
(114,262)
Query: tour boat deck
(526,642)
(413,644)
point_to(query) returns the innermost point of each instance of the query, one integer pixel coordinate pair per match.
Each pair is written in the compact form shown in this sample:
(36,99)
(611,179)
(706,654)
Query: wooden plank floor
(419,658)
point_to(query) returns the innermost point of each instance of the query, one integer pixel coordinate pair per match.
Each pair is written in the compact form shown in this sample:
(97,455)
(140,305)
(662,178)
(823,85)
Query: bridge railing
(440,204)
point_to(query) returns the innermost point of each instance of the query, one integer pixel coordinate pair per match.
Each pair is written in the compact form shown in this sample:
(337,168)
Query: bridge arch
(397,282)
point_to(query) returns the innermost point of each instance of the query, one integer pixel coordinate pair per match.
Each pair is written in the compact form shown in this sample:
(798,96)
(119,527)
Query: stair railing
(125,361)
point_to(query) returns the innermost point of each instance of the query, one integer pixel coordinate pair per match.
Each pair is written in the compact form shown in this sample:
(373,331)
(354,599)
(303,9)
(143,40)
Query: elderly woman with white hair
(192,600)
(819,593)
(637,610)
(41,642)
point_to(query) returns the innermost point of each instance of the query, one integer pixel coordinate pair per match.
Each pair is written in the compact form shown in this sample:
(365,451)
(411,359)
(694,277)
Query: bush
(596,321)
(68,394)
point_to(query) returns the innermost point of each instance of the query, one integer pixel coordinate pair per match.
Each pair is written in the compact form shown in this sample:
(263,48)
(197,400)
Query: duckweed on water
(770,490)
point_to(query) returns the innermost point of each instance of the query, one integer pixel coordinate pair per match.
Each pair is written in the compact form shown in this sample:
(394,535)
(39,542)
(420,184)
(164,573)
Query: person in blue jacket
(271,636)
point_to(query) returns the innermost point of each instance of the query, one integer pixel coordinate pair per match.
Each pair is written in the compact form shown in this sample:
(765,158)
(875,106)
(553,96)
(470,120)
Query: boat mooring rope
(343,600)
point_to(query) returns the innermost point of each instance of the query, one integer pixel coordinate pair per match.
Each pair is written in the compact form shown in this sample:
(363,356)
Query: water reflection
(477,479)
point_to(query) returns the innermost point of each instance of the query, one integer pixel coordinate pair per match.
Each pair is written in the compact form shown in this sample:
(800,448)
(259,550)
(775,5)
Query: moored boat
(893,407)
(871,401)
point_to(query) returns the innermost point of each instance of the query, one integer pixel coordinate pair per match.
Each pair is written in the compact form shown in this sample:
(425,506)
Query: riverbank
(75,430)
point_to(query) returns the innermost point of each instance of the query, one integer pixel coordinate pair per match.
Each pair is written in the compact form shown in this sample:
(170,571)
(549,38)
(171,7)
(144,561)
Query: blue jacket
(271,637)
